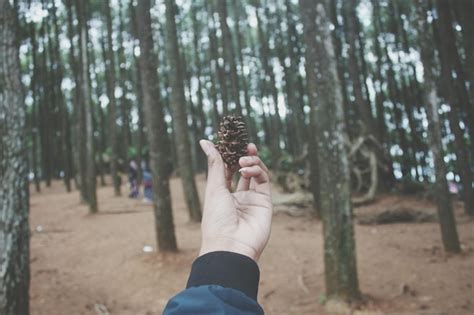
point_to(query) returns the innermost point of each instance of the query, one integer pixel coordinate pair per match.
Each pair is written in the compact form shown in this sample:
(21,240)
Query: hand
(237,221)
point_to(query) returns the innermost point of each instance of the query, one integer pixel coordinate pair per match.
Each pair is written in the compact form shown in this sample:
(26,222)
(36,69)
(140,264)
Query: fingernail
(247,159)
(204,145)
(243,169)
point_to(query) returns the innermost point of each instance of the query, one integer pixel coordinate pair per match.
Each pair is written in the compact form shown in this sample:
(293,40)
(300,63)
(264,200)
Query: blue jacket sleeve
(219,283)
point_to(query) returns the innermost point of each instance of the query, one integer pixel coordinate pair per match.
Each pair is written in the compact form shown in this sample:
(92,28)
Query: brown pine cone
(232,140)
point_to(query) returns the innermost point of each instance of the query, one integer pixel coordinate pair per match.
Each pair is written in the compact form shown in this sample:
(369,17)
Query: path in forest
(81,263)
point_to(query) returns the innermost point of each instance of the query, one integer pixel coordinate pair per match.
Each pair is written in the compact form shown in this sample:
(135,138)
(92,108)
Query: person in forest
(235,230)
(133,179)
(147,184)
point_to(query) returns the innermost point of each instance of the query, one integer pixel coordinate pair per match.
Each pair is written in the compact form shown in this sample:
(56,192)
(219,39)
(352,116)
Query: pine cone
(232,140)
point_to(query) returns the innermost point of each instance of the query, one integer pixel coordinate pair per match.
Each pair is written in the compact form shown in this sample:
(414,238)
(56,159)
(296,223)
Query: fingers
(253,168)
(255,172)
(216,168)
(252,160)
(244,183)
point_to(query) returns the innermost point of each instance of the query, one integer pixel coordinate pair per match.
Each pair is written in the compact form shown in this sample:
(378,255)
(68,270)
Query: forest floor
(95,264)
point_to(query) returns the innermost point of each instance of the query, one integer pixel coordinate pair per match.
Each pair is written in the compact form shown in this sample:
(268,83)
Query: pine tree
(178,110)
(156,131)
(14,204)
(327,121)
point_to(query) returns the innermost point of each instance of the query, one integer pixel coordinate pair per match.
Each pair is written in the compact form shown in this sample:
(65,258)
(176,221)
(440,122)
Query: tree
(454,95)
(178,106)
(228,53)
(327,120)
(156,131)
(362,104)
(445,211)
(90,180)
(14,204)
(110,66)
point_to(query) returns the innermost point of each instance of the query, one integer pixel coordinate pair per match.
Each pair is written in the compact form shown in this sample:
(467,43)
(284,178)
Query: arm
(235,229)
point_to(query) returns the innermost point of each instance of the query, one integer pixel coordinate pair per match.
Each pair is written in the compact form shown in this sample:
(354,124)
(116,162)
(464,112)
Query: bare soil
(94,264)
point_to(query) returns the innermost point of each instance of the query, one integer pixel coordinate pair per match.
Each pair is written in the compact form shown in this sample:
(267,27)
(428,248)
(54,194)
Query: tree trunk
(250,119)
(34,110)
(466,107)
(452,96)
(339,244)
(464,11)
(126,134)
(228,53)
(66,150)
(156,131)
(445,211)
(88,111)
(215,66)
(362,104)
(77,102)
(110,66)
(178,105)
(269,81)
(14,205)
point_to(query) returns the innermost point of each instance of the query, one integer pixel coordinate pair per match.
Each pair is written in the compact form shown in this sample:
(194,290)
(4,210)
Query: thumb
(216,168)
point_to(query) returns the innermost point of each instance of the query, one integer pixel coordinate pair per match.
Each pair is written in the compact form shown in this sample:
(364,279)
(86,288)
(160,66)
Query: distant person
(235,229)
(133,179)
(147,186)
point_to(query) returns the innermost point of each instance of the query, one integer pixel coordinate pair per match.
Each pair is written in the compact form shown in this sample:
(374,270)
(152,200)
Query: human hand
(239,221)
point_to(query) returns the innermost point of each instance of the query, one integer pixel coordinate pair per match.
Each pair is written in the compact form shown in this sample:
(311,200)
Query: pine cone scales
(232,140)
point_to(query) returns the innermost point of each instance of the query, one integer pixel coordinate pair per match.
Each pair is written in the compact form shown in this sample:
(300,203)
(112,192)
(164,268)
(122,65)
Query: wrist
(228,244)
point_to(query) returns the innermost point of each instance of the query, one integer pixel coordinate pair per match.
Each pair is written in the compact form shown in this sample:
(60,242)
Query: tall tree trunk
(445,211)
(215,66)
(380,95)
(270,83)
(362,104)
(110,66)
(78,111)
(464,11)
(62,106)
(137,79)
(228,53)
(156,131)
(88,111)
(250,119)
(34,110)
(339,244)
(45,110)
(466,106)
(124,102)
(444,44)
(14,196)
(178,105)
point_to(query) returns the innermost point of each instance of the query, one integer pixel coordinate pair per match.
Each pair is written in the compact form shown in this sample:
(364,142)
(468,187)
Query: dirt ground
(94,264)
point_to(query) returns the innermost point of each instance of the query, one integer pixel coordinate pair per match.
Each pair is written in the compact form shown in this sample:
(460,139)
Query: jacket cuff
(228,270)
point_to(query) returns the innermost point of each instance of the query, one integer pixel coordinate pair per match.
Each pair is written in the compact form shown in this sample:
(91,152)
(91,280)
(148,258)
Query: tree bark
(362,104)
(88,111)
(445,211)
(250,119)
(111,79)
(452,96)
(156,132)
(62,106)
(228,53)
(34,110)
(328,121)
(215,66)
(178,105)
(270,83)
(14,196)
